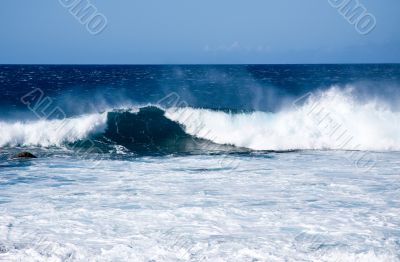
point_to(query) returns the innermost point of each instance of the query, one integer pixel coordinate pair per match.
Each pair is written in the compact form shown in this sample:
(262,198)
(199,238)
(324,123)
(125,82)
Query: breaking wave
(333,119)
(330,120)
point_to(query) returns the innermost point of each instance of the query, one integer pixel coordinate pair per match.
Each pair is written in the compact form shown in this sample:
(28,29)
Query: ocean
(200,162)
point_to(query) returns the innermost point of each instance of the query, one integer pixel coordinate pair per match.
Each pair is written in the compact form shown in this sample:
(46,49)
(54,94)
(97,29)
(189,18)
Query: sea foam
(51,132)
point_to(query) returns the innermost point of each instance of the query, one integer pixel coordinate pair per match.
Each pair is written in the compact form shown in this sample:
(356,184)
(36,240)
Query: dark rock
(3,249)
(25,155)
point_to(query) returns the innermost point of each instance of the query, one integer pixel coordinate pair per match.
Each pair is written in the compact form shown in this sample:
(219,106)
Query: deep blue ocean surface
(237,87)
(200,163)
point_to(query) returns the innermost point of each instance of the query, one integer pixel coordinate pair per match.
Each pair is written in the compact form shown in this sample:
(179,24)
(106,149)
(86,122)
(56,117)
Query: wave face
(333,119)
(148,130)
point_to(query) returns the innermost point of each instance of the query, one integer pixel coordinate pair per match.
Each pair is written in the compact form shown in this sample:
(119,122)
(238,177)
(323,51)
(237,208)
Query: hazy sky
(194,31)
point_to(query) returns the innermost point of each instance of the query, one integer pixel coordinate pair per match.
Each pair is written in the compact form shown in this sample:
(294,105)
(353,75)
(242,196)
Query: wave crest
(329,120)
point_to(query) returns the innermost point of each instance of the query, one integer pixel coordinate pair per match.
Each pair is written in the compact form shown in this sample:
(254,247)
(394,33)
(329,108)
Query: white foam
(331,120)
(312,206)
(51,132)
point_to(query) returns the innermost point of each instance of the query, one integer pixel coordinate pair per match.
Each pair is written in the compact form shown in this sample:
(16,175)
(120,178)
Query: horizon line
(191,64)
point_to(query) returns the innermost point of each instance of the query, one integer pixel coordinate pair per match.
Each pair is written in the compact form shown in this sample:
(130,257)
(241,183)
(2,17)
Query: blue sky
(189,31)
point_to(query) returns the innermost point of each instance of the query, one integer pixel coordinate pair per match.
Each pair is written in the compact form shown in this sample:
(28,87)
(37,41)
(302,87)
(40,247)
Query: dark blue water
(237,87)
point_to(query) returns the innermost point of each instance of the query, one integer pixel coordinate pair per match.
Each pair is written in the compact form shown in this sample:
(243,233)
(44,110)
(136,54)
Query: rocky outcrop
(25,155)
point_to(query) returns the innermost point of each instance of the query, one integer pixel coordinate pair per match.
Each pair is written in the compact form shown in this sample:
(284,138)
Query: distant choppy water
(200,163)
